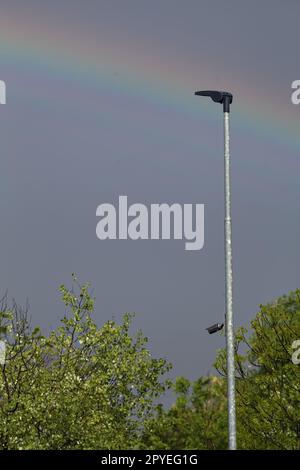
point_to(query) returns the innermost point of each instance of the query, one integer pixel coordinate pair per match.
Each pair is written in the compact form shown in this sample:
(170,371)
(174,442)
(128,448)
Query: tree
(197,420)
(268,382)
(88,387)
(80,387)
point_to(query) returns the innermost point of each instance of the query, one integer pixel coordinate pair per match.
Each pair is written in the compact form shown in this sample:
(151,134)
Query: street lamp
(225,98)
(2,101)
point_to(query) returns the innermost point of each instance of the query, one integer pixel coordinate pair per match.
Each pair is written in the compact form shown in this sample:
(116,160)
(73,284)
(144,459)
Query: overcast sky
(100,104)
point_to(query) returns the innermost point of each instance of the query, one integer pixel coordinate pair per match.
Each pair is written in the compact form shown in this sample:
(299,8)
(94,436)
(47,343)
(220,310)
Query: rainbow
(126,68)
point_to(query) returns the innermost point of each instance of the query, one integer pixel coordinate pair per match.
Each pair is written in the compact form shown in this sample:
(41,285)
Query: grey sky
(72,141)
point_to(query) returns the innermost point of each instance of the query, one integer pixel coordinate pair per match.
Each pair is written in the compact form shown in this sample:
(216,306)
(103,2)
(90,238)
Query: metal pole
(225,98)
(228,285)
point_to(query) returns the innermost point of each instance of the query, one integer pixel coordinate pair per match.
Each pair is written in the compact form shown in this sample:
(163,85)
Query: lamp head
(214,328)
(222,97)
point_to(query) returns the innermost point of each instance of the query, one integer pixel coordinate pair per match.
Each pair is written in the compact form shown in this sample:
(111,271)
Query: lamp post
(2,101)
(225,98)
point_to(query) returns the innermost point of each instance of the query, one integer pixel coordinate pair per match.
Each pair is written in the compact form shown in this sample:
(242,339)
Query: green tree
(268,382)
(268,391)
(89,387)
(80,387)
(197,420)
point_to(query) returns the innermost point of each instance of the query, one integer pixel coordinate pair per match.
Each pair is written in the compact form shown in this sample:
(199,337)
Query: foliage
(268,382)
(88,387)
(81,386)
(197,420)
